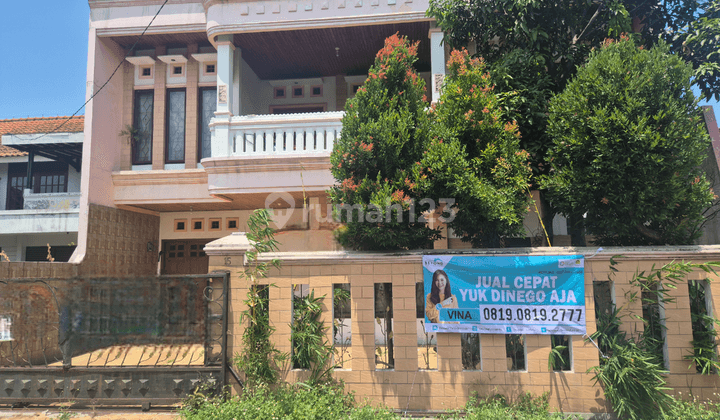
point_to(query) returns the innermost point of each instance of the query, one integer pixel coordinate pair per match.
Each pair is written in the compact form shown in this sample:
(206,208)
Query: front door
(185,257)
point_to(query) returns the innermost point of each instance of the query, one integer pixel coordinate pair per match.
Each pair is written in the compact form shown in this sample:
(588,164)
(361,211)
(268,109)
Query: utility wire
(130,51)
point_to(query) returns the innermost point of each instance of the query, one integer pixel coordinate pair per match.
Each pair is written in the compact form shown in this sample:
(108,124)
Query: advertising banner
(505,295)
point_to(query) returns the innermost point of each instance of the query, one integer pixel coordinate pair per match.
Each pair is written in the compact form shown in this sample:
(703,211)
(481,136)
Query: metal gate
(112,341)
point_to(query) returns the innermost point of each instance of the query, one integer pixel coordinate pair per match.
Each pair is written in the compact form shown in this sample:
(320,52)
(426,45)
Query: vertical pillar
(158,138)
(225,73)
(220,144)
(437,62)
(237,84)
(341,94)
(29,180)
(128,99)
(191,115)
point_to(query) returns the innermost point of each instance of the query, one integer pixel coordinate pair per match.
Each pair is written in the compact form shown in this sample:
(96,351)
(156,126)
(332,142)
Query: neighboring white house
(45,211)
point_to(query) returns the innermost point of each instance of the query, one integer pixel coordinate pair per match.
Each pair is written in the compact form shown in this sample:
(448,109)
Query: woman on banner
(440,296)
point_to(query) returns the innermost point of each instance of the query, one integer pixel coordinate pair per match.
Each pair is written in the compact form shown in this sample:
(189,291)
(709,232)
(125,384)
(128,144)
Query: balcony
(254,155)
(282,135)
(51,201)
(43,213)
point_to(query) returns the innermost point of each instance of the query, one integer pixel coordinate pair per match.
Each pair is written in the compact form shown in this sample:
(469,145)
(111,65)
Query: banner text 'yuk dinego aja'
(505,295)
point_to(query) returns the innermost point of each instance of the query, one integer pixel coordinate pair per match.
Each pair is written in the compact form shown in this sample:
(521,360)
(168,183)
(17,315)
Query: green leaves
(627,148)
(384,131)
(474,157)
(260,359)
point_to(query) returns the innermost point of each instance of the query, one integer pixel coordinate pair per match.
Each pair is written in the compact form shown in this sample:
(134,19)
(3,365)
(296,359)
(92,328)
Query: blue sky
(43,57)
(43,51)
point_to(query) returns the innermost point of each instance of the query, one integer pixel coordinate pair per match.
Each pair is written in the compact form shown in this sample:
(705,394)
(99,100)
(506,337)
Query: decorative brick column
(158,139)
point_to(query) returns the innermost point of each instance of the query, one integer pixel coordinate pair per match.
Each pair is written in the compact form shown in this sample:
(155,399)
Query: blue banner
(505,295)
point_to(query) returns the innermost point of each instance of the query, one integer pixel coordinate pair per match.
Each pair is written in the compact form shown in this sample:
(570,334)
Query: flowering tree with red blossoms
(385,129)
(474,157)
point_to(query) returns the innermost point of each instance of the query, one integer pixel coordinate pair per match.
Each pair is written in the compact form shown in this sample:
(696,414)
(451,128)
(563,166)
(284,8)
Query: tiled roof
(42,125)
(37,126)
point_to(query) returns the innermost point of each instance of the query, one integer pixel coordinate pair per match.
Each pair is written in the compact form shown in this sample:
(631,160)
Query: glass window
(143,123)
(175,147)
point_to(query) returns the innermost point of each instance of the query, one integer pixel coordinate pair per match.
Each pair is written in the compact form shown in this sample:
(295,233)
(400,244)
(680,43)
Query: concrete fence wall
(407,386)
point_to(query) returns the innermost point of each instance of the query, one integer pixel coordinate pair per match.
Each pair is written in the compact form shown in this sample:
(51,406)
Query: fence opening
(302,314)
(384,349)
(342,325)
(515,351)
(470,348)
(426,341)
(560,358)
(654,320)
(705,353)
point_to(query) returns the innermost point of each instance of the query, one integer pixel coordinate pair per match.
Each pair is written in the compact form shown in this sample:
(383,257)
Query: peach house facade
(235,106)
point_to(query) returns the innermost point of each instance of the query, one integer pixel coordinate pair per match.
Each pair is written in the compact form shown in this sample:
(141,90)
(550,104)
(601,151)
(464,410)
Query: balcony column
(30,173)
(220,144)
(437,62)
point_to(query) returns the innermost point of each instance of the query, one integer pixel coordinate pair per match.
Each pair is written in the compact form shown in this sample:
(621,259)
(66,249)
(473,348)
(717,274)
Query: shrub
(320,402)
(474,157)
(384,131)
(498,407)
(628,141)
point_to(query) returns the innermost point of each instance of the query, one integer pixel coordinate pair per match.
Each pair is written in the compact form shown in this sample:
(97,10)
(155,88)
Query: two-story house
(234,106)
(40,165)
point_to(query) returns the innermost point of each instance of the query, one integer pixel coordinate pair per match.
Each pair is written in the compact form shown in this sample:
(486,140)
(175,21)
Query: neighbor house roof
(37,126)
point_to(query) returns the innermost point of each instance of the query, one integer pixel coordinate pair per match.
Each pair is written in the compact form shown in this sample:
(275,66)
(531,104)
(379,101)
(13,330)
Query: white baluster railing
(286,134)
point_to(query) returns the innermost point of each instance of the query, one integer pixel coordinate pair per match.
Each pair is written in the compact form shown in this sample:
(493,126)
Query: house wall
(120,243)
(449,386)
(103,123)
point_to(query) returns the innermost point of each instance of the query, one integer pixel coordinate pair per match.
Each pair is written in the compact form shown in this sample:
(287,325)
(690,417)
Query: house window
(316,91)
(180,225)
(298,91)
(197,224)
(146,72)
(178,70)
(232,223)
(210,69)
(355,87)
(61,253)
(175,142)
(48,177)
(143,123)
(279,93)
(215,224)
(208,105)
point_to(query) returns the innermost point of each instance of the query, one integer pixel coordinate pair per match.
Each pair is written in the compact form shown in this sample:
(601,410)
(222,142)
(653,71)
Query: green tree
(534,47)
(563,32)
(474,158)
(384,131)
(628,141)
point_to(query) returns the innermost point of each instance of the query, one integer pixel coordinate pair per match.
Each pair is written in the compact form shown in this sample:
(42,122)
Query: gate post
(227,252)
